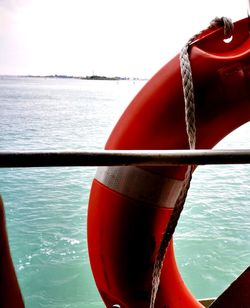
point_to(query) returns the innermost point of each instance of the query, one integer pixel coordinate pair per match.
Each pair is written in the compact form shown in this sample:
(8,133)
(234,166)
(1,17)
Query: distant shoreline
(91,77)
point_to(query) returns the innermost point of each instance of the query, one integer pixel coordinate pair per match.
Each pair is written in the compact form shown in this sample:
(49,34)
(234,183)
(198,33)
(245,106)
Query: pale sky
(133,38)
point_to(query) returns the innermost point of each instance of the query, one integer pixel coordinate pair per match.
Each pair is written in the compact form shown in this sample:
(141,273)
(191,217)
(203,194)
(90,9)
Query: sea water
(46,208)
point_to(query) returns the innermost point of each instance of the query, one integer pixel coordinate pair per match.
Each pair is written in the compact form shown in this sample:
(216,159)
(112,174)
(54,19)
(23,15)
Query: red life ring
(129,206)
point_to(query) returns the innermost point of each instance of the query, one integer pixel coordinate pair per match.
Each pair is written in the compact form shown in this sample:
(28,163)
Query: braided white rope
(188,92)
(187,80)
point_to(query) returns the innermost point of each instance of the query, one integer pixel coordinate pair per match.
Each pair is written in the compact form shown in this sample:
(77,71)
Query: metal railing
(123,158)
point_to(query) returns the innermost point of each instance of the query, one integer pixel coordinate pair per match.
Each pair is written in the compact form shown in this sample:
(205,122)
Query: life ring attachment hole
(228,39)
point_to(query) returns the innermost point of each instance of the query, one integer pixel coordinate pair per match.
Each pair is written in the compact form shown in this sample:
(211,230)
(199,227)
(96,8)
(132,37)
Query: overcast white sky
(105,37)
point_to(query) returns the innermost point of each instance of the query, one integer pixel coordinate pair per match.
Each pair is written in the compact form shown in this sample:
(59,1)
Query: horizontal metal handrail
(123,158)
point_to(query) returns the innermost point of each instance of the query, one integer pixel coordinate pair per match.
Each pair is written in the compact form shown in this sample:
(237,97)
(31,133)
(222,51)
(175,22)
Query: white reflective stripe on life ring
(140,185)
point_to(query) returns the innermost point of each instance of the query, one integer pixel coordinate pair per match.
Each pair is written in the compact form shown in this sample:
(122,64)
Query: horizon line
(65,76)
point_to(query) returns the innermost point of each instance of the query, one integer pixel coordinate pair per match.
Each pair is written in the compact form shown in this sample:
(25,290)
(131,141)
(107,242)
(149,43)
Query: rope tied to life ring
(189,100)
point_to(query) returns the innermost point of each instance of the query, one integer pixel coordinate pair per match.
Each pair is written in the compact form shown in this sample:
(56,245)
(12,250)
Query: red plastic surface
(10,294)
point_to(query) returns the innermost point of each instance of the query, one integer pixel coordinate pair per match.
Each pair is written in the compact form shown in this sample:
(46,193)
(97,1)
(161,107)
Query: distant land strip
(91,77)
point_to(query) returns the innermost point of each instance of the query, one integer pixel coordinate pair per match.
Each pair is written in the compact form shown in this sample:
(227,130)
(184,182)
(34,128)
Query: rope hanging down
(188,92)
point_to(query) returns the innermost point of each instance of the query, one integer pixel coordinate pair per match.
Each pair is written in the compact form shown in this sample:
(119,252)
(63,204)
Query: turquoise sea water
(46,207)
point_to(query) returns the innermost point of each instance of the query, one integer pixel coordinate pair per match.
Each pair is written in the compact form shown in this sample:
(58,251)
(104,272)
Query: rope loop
(223,22)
